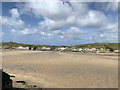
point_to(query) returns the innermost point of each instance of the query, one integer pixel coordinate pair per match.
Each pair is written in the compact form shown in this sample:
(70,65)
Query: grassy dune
(92,45)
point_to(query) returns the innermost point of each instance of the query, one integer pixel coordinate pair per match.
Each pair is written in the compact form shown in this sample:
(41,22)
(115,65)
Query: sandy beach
(54,69)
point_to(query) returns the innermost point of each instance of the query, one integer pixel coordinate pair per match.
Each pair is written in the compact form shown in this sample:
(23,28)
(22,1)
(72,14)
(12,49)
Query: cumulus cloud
(56,16)
(63,13)
(14,13)
(106,6)
(73,33)
(52,10)
(94,19)
(89,20)
(13,21)
(108,33)
(112,6)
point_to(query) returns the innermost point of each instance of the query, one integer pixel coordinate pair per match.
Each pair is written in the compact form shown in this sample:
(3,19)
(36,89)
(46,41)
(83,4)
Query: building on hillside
(116,51)
(61,48)
(86,50)
(74,49)
(46,48)
(101,50)
(22,48)
(35,48)
(13,47)
(93,50)
(107,50)
(39,48)
(80,49)
(6,47)
(68,49)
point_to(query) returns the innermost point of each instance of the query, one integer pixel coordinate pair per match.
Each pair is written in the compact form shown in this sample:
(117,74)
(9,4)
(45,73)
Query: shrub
(107,47)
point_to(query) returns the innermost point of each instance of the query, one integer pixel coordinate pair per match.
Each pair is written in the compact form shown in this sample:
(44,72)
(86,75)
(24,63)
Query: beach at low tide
(55,69)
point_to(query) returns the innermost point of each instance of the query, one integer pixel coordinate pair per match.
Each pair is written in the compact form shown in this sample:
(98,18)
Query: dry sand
(51,69)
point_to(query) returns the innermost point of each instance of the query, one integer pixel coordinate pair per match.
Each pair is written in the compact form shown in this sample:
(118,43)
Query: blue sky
(58,23)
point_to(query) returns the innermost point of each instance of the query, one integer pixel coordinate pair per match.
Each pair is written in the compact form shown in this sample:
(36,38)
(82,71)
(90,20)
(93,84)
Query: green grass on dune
(92,45)
(99,45)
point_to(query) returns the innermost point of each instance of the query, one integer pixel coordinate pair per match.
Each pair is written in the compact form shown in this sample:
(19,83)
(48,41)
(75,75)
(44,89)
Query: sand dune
(52,69)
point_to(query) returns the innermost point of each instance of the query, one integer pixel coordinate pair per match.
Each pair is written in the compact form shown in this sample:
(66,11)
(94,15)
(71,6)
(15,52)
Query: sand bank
(52,69)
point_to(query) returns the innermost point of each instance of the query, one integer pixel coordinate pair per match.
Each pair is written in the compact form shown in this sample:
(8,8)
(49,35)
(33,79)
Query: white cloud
(110,27)
(58,15)
(94,19)
(15,23)
(89,20)
(0,21)
(52,10)
(29,31)
(112,6)
(73,33)
(106,6)
(108,33)
(14,13)
(13,30)
(79,8)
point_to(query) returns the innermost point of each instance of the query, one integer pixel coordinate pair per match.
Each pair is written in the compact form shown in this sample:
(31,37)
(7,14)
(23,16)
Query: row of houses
(73,49)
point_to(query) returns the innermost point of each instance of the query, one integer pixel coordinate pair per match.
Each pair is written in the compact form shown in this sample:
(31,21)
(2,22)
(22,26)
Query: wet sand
(52,69)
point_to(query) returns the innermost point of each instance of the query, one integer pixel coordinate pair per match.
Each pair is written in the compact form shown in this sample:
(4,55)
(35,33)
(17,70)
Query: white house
(62,48)
(80,49)
(101,50)
(116,51)
(6,47)
(86,49)
(46,48)
(22,48)
(74,50)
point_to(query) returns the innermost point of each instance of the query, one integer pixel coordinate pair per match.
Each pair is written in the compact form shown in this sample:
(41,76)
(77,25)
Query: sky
(59,23)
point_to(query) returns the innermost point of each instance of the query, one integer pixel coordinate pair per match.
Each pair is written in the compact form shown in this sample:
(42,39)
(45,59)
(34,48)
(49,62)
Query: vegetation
(111,46)
(15,44)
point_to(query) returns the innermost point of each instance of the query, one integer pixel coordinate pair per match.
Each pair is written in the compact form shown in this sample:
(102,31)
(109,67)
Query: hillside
(100,45)
(93,45)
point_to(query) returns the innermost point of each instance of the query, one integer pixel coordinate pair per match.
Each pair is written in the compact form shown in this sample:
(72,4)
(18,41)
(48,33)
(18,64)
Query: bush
(111,49)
